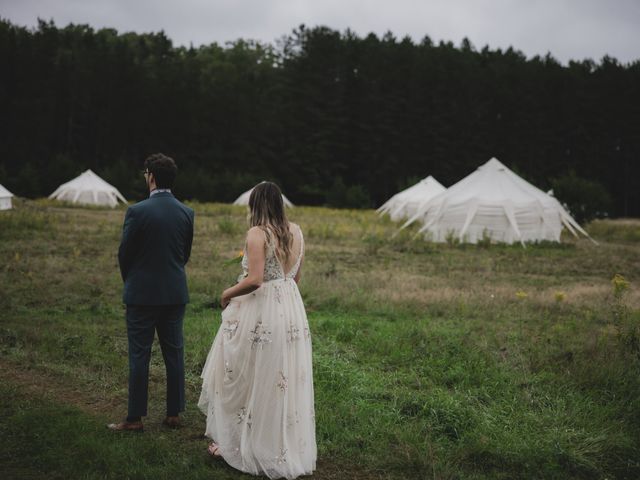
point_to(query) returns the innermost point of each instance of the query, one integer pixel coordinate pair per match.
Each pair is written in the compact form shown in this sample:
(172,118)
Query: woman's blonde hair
(267,212)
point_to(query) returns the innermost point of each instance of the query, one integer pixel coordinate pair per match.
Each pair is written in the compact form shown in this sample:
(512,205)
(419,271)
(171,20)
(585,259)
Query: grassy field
(430,361)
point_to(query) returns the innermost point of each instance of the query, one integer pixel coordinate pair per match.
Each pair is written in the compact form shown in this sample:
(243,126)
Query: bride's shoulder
(256,234)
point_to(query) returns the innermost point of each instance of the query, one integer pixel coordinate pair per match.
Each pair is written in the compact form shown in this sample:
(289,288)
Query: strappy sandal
(214,450)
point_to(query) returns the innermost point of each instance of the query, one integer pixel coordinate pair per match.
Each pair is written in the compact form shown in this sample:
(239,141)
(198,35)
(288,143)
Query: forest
(335,118)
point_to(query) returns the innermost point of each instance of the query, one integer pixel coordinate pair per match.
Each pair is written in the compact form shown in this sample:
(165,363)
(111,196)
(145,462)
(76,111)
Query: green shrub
(585,199)
(622,230)
(372,243)
(341,196)
(228,226)
(21,223)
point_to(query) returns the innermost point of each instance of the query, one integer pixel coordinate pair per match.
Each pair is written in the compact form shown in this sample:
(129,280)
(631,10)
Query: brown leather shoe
(172,422)
(126,427)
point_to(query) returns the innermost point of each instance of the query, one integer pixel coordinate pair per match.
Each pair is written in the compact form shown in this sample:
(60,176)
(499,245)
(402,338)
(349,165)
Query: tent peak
(405,203)
(5,193)
(88,188)
(493,201)
(493,164)
(244,198)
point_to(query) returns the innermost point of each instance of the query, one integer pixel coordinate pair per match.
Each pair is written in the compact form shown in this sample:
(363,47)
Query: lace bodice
(273,269)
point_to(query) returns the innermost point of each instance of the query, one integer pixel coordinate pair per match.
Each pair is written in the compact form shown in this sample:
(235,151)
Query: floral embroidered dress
(257,389)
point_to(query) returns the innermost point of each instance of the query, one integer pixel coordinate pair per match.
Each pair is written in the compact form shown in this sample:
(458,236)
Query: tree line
(335,118)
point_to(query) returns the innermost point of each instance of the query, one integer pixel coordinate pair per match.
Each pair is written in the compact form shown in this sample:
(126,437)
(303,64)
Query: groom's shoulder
(187,209)
(141,209)
(141,205)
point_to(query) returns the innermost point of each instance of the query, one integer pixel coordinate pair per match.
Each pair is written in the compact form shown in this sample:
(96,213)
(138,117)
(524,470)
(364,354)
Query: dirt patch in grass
(34,383)
(58,389)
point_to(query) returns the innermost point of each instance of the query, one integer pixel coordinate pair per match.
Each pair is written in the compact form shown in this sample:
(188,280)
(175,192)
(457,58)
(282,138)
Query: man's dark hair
(164,169)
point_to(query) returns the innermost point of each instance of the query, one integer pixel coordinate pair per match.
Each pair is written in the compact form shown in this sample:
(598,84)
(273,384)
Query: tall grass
(430,360)
(18,224)
(624,230)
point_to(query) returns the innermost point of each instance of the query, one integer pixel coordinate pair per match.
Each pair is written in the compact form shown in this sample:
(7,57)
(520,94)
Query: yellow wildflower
(234,260)
(620,284)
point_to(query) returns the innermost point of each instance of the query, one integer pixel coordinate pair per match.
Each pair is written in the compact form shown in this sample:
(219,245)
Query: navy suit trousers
(142,322)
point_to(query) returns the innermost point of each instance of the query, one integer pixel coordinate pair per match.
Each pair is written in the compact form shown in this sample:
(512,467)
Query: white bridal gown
(257,388)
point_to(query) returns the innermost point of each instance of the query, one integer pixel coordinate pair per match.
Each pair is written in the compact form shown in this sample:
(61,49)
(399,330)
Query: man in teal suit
(155,247)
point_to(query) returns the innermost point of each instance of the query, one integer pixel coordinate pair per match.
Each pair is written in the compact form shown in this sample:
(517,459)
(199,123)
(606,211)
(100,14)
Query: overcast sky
(569,29)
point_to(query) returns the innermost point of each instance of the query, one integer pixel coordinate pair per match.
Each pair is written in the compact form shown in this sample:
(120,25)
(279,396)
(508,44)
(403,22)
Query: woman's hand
(253,278)
(225,299)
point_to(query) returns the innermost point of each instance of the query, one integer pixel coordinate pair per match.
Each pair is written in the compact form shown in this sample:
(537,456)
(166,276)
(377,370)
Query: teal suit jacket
(155,246)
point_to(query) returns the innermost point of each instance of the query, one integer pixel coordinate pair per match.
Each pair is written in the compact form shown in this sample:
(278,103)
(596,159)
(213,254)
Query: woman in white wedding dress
(257,382)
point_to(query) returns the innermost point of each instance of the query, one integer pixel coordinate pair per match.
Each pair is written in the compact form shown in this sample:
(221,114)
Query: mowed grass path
(430,361)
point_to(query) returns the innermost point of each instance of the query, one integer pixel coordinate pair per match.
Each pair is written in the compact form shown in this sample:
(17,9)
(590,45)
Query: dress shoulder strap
(268,239)
(301,241)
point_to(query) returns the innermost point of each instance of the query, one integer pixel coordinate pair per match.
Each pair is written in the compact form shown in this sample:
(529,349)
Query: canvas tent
(88,189)
(405,204)
(496,203)
(244,199)
(5,198)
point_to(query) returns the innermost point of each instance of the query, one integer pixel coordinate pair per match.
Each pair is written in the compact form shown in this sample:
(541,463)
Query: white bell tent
(405,204)
(88,189)
(5,198)
(244,199)
(495,203)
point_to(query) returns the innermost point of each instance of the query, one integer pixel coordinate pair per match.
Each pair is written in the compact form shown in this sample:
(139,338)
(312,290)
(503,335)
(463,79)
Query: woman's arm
(253,281)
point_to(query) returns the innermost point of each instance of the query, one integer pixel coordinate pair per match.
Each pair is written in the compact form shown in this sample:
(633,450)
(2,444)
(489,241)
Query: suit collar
(164,193)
